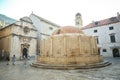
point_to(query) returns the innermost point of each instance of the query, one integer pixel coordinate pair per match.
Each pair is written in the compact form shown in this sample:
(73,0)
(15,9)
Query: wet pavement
(26,72)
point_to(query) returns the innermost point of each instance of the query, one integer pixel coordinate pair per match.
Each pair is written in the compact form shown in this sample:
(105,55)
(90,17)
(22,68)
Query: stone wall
(69,49)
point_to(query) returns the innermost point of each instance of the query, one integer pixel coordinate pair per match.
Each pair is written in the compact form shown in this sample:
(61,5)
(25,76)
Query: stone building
(45,27)
(107,33)
(19,38)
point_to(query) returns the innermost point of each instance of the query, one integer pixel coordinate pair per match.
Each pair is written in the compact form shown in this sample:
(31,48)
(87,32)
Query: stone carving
(26,30)
(24,39)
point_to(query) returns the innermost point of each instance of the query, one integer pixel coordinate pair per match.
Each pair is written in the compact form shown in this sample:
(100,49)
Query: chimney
(118,16)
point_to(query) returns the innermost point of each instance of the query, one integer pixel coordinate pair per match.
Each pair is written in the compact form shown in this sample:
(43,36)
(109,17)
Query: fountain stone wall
(65,49)
(69,48)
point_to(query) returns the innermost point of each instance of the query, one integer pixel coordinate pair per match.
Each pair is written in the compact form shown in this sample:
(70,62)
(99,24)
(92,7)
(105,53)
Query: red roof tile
(101,22)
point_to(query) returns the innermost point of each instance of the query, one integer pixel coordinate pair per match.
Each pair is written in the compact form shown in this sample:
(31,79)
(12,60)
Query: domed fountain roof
(67,29)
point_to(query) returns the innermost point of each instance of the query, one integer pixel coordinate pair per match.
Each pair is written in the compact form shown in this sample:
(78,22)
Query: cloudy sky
(61,12)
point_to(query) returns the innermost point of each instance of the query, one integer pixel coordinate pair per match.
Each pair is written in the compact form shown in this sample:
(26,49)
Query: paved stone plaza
(26,72)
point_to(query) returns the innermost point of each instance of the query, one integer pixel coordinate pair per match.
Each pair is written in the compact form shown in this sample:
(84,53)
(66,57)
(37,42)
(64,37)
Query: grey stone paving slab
(26,72)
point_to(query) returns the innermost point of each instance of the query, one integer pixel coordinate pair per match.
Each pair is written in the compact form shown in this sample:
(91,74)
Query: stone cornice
(13,34)
(21,27)
(16,25)
(5,36)
(26,21)
(23,36)
(44,34)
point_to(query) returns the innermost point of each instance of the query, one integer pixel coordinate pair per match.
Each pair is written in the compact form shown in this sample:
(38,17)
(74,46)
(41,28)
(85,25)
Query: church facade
(19,39)
(45,28)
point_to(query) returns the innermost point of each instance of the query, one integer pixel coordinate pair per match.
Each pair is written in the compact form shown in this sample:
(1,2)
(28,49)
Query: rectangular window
(96,23)
(104,50)
(95,31)
(111,28)
(112,38)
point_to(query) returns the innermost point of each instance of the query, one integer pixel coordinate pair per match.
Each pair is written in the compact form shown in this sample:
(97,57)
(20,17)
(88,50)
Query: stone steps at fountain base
(69,67)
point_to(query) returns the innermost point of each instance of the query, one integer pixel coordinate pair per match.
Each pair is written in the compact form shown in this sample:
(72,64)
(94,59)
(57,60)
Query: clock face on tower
(26,30)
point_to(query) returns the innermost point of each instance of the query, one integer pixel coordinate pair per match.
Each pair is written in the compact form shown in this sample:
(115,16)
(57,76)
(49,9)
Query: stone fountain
(69,48)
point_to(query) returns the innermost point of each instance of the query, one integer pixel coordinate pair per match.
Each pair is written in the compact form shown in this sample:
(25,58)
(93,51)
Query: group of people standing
(13,60)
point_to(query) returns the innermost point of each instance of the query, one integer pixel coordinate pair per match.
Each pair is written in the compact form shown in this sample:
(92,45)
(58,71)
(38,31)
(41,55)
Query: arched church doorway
(25,54)
(116,53)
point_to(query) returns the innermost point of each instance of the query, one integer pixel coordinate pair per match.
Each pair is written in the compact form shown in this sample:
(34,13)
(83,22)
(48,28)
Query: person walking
(8,60)
(25,61)
(13,59)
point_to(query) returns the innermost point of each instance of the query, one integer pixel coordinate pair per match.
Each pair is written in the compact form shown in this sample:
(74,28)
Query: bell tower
(78,20)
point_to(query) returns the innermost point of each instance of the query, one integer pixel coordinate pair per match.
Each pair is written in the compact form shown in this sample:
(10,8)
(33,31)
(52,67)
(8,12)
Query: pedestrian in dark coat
(8,60)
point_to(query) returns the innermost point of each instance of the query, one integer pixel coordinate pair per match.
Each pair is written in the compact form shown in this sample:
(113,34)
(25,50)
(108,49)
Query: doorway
(25,54)
(116,52)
